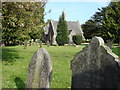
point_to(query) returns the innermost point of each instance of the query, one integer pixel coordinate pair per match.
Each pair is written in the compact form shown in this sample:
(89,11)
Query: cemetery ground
(15,61)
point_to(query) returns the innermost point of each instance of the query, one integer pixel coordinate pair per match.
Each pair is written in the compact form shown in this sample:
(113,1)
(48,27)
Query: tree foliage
(20,19)
(91,29)
(77,39)
(105,23)
(62,31)
(111,22)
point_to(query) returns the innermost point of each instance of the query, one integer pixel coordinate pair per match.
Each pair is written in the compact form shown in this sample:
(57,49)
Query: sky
(81,11)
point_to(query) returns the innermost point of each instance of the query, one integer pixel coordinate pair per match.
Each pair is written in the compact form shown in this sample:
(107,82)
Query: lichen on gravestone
(39,70)
(96,66)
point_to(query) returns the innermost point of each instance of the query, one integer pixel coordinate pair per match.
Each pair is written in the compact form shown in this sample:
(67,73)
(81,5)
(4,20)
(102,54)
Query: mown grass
(15,61)
(116,50)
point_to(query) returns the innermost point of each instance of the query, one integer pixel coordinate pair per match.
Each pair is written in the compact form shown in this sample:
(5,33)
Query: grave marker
(95,67)
(39,70)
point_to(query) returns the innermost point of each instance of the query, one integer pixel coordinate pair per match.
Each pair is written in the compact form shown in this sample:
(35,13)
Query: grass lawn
(116,50)
(15,61)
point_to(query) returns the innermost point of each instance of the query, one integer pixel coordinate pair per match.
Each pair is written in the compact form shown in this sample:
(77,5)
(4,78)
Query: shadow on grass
(9,55)
(19,83)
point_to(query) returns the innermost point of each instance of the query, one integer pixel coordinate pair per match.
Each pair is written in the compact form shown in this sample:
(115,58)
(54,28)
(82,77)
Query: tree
(35,34)
(91,29)
(93,26)
(111,22)
(109,19)
(105,23)
(20,19)
(62,31)
(37,20)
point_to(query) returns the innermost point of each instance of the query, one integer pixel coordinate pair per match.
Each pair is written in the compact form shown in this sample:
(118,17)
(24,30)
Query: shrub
(77,39)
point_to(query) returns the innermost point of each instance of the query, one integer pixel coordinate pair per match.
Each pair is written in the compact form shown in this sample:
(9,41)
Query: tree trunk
(7,43)
(19,43)
(34,40)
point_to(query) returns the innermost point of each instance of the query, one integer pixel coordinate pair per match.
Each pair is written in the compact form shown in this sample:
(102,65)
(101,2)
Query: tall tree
(91,29)
(62,31)
(107,21)
(111,22)
(93,26)
(20,19)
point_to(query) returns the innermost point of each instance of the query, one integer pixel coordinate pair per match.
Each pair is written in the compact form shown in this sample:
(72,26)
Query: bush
(77,39)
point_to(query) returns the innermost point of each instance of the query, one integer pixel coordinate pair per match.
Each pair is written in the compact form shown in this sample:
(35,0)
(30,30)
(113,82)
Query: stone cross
(39,70)
(96,66)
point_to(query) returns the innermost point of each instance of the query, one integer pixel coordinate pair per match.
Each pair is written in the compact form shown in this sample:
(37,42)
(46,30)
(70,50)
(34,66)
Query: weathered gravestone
(95,67)
(25,44)
(39,70)
(40,44)
(109,43)
(48,43)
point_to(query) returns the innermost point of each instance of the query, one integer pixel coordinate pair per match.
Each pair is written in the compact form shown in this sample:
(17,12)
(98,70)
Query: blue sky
(81,11)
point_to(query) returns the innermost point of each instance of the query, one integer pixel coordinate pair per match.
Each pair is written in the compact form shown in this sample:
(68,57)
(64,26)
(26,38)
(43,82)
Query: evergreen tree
(20,19)
(91,29)
(111,22)
(105,23)
(62,31)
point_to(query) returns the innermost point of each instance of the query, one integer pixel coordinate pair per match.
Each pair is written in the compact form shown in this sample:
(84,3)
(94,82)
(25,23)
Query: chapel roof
(72,25)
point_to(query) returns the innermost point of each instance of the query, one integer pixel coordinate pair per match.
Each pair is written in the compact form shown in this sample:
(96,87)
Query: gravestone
(95,67)
(40,44)
(109,43)
(48,43)
(25,44)
(39,70)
